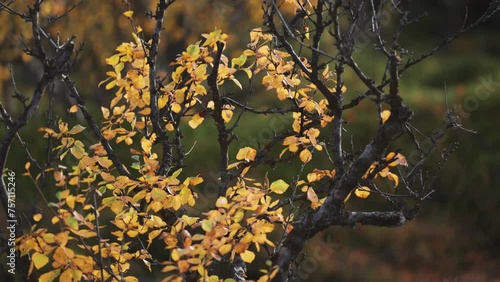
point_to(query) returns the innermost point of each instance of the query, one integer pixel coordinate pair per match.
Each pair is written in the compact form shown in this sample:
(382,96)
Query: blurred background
(456,236)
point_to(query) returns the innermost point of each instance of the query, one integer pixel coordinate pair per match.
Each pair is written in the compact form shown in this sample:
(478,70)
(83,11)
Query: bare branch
(219,121)
(93,125)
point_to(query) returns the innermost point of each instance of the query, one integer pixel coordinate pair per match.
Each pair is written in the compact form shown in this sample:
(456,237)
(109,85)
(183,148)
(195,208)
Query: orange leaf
(362,192)
(73,109)
(305,156)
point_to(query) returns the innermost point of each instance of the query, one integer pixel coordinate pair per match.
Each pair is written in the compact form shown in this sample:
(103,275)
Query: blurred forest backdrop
(456,237)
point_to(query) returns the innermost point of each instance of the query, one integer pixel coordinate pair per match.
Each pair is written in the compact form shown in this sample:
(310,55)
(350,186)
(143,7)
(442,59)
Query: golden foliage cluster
(240,222)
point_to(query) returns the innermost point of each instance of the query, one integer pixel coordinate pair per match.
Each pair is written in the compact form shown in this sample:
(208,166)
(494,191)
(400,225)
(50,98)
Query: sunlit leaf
(240,61)
(246,153)
(39,260)
(176,108)
(362,192)
(71,222)
(49,276)
(227,115)
(311,195)
(279,186)
(224,249)
(113,60)
(37,217)
(183,266)
(247,256)
(305,156)
(158,194)
(128,14)
(71,275)
(146,144)
(207,225)
(73,109)
(221,202)
(400,159)
(105,112)
(76,129)
(195,121)
(384,115)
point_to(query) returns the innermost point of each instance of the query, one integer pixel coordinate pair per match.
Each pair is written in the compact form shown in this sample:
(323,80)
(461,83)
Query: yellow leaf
(139,82)
(158,194)
(145,111)
(394,178)
(195,121)
(189,220)
(238,216)
(162,101)
(224,249)
(130,279)
(84,233)
(39,260)
(227,115)
(37,217)
(113,60)
(176,108)
(240,61)
(70,201)
(247,256)
(71,222)
(233,165)
(221,202)
(78,152)
(175,255)
(76,129)
(128,14)
(200,90)
(146,145)
(169,268)
(279,186)
(118,110)
(193,181)
(206,225)
(54,220)
(105,162)
(49,276)
(311,177)
(362,192)
(111,84)
(390,155)
(400,159)
(183,266)
(70,275)
(105,112)
(246,153)
(384,115)
(73,109)
(170,127)
(305,156)
(311,195)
